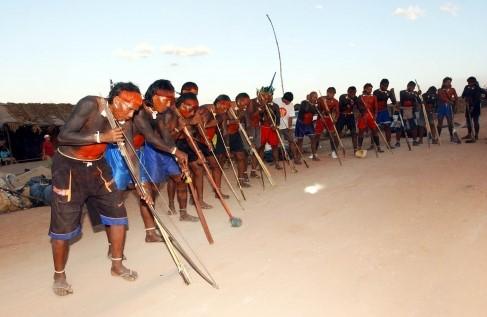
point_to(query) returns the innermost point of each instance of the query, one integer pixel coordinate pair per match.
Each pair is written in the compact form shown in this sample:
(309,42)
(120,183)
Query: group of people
(178,141)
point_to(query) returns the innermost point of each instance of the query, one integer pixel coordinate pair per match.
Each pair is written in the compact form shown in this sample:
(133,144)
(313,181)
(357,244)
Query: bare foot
(254,174)
(60,287)
(124,273)
(205,205)
(186,217)
(224,196)
(172,209)
(152,236)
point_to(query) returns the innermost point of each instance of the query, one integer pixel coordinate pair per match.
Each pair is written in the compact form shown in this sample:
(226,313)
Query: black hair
(367,85)
(352,88)
(471,78)
(432,90)
(242,95)
(221,98)
(446,78)
(185,96)
(332,89)
(411,83)
(288,96)
(384,81)
(188,86)
(118,87)
(160,84)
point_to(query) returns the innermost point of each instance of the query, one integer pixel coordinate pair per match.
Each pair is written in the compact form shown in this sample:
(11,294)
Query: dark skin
(375,132)
(386,127)
(323,109)
(224,120)
(192,120)
(245,111)
(313,100)
(263,100)
(80,130)
(158,135)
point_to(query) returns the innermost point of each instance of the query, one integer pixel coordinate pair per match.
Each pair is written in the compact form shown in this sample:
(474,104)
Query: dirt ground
(401,235)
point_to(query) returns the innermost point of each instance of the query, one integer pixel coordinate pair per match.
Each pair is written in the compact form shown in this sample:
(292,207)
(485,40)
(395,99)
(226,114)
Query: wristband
(97,136)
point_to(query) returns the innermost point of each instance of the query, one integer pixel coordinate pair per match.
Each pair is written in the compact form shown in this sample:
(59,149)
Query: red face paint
(132,97)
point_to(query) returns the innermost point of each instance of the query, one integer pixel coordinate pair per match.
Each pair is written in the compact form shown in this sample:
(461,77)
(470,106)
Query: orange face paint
(132,97)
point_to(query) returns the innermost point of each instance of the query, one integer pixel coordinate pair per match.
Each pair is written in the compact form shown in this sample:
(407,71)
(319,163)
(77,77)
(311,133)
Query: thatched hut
(24,125)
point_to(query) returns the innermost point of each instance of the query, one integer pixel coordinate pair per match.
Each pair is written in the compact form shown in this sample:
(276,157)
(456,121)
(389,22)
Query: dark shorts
(383,117)
(235,144)
(157,165)
(444,110)
(183,145)
(348,121)
(303,129)
(76,182)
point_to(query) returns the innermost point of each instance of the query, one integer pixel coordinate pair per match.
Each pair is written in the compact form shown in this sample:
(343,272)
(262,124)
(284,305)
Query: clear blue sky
(60,51)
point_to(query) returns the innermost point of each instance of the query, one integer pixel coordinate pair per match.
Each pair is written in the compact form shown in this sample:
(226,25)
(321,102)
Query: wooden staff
(234,221)
(228,156)
(210,147)
(402,123)
(276,129)
(171,243)
(334,126)
(253,149)
(425,115)
(377,126)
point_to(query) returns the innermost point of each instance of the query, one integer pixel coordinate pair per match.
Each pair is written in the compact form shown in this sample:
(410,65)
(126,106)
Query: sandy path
(402,235)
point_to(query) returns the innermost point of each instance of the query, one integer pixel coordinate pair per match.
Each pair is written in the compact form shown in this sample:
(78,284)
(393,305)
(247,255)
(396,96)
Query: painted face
(125,104)
(368,90)
(264,97)
(188,108)
(313,98)
(243,103)
(222,106)
(163,99)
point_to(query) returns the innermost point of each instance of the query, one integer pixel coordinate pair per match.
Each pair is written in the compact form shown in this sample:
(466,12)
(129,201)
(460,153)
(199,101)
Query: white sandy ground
(402,235)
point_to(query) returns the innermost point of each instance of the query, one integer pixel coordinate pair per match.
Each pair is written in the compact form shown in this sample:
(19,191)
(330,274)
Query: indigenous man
(304,124)
(262,106)
(154,121)
(80,173)
(329,109)
(430,99)
(409,100)
(286,108)
(368,112)
(242,101)
(230,129)
(347,105)
(200,124)
(447,98)
(383,116)
(472,94)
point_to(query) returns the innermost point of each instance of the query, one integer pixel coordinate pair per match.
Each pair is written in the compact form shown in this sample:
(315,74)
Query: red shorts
(320,125)
(366,121)
(267,135)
